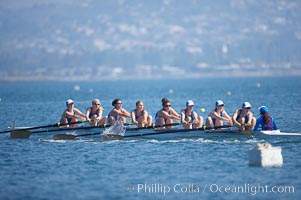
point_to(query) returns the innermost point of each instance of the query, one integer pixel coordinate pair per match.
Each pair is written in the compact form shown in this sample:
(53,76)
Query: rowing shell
(223,132)
(176,133)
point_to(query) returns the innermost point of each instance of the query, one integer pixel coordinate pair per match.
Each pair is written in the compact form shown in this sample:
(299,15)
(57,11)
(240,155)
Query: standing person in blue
(190,118)
(166,115)
(118,113)
(94,114)
(140,116)
(218,116)
(71,114)
(265,121)
(243,118)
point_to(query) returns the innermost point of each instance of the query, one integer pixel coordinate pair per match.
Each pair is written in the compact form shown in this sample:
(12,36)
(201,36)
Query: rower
(140,116)
(94,114)
(166,115)
(190,118)
(71,114)
(118,113)
(218,116)
(243,118)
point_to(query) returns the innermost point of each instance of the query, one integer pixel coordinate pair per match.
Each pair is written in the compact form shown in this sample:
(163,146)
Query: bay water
(187,168)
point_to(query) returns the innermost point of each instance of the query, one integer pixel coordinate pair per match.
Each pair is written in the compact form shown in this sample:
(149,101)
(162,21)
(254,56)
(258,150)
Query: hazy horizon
(171,39)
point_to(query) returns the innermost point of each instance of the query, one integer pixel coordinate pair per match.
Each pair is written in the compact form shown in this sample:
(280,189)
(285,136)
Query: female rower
(140,116)
(218,116)
(266,121)
(71,114)
(243,118)
(190,118)
(166,114)
(118,113)
(94,114)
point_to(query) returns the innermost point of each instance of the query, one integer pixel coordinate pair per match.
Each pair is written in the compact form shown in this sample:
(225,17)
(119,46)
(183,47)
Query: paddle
(165,131)
(116,136)
(58,124)
(72,137)
(71,129)
(19,134)
(25,133)
(77,128)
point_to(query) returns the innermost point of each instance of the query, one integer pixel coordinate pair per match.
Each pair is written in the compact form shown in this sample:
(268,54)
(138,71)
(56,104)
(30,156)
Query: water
(191,168)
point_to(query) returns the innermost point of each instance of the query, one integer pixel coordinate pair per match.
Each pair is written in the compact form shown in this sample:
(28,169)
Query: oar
(154,126)
(77,128)
(72,137)
(19,134)
(25,133)
(71,129)
(164,131)
(58,124)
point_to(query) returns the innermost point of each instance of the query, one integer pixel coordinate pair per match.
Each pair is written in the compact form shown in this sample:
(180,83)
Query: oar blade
(112,137)
(64,137)
(19,134)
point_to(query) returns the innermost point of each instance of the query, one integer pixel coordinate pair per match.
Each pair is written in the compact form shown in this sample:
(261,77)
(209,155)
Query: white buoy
(258,85)
(229,93)
(170,91)
(265,155)
(77,88)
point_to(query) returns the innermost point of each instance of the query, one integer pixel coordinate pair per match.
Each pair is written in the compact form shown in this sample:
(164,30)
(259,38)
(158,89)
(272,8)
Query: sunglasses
(97,104)
(167,105)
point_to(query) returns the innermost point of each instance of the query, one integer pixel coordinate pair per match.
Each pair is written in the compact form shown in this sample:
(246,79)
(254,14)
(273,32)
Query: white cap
(219,103)
(246,105)
(69,101)
(189,103)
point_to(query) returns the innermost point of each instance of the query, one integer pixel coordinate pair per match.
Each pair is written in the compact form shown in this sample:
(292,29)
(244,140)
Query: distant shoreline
(107,78)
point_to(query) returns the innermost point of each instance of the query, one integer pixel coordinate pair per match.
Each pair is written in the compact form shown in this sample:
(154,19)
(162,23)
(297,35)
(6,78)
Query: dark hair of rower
(115,101)
(164,101)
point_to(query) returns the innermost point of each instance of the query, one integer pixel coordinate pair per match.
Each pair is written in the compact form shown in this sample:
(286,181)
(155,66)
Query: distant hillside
(125,39)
